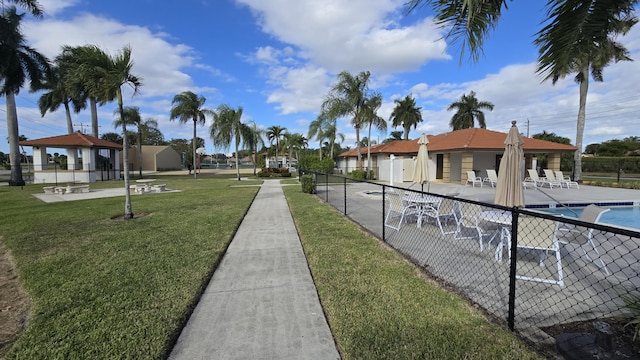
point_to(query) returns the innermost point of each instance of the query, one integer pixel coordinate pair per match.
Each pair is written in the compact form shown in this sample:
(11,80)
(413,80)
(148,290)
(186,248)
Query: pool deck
(543,197)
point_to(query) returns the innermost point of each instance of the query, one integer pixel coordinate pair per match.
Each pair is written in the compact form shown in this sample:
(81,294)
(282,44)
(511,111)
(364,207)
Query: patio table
(422,203)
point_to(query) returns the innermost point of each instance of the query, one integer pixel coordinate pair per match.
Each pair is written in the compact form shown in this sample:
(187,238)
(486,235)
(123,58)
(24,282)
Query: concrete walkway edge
(261,302)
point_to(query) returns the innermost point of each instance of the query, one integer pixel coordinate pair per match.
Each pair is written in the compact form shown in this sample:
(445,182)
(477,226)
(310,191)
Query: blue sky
(278,58)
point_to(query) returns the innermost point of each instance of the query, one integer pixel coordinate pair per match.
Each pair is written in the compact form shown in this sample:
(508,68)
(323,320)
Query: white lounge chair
(583,236)
(492,177)
(551,178)
(539,182)
(566,180)
(473,179)
(538,234)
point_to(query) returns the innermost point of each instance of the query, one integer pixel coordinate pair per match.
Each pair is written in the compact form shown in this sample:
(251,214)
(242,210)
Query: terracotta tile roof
(75,140)
(466,139)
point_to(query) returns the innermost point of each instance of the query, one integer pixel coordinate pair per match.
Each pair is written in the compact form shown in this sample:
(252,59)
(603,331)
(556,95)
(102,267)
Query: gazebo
(84,152)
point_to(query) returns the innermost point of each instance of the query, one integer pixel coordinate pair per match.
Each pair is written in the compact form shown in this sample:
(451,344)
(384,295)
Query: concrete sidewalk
(261,302)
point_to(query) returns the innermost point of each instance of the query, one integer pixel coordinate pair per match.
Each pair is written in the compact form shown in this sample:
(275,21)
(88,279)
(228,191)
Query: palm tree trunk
(369,152)
(140,154)
(359,160)
(584,87)
(128,212)
(94,117)
(195,165)
(237,158)
(14,148)
(69,121)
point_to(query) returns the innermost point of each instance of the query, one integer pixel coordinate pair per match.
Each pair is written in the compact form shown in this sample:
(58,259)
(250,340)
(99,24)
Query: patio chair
(443,213)
(492,177)
(537,181)
(583,236)
(566,180)
(551,178)
(539,234)
(397,208)
(470,226)
(473,179)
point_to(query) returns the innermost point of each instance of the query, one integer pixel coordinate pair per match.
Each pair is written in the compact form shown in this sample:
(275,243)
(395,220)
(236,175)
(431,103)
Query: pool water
(625,216)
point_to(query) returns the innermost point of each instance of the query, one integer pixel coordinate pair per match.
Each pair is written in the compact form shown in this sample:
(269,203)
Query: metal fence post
(326,186)
(345,195)
(384,228)
(512,270)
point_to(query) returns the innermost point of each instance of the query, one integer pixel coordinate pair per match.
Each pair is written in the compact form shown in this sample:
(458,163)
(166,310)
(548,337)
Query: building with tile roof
(452,154)
(88,159)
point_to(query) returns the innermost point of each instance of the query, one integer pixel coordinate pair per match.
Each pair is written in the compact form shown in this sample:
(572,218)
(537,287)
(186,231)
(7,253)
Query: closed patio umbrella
(421,168)
(509,187)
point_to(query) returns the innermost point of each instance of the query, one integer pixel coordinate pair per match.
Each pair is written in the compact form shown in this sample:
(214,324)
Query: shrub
(313,163)
(308,186)
(359,174)
(263,174)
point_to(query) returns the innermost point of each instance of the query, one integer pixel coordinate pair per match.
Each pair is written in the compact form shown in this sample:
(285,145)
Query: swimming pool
(625,216)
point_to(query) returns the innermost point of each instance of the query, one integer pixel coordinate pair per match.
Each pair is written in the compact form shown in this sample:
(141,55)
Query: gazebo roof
(75,140)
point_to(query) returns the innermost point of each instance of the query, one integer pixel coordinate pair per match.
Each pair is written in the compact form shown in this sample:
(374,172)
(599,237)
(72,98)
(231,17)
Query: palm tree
(106,82)
(580,40)
(275,133)
(226,127)
(19,62)
(132,118)
(406,114)
(393,136)
(370,117)
(31,5)
(578,37)
(317,130)
(468,109)
(188,106)
(294,141)
(347,97)
(59,94)
(76,63)
(253,142)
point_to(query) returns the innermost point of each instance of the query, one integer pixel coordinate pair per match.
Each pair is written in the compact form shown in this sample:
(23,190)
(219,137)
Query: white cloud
(52,7)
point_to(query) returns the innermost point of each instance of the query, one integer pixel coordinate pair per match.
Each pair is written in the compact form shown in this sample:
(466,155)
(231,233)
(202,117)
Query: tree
(393,136)
(254,140)
(106,82)
(468,110)
(227,126)
(295,141)
(406,114)
(370,117)
(132,118)
(346,98)
(19,62)
(324,127)
(32,6)
(78,64)
(578,38)
(188,106)
(566,159)
(113,137)
(59,93)
(275,133)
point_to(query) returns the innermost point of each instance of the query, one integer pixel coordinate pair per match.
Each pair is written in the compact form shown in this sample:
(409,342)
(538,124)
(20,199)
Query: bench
(49,189)
(76,189)
(159,187)
(137,188)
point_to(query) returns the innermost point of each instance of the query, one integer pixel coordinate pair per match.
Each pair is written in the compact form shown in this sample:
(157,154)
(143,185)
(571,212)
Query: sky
(278,59)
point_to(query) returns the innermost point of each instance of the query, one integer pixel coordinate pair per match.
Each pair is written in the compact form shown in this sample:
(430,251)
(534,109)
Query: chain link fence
(524,267)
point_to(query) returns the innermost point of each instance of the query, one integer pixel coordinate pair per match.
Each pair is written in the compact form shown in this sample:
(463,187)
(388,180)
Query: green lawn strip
(378,304)
(104,288)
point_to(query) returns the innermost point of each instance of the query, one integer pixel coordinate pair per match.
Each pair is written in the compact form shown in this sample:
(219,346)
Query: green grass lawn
(380,306)
(104,288)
